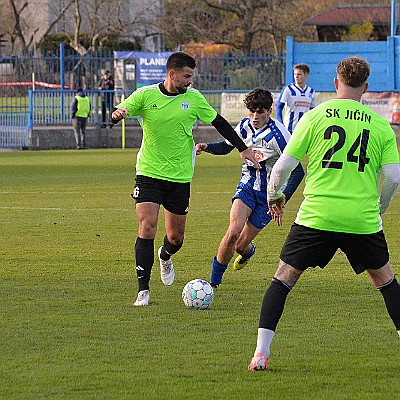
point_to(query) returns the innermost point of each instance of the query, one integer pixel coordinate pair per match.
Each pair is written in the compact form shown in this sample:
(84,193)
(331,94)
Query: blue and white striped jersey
(297,102)
(268,143)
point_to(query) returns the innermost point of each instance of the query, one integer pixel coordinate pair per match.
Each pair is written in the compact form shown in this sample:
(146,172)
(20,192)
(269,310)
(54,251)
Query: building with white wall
(138,18)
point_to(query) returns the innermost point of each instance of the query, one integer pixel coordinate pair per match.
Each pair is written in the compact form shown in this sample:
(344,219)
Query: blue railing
(52,107)
(14,130)
(66,70)
(38,90)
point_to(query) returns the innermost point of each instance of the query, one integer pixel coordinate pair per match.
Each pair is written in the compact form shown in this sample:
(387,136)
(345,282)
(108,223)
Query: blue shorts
(258,203)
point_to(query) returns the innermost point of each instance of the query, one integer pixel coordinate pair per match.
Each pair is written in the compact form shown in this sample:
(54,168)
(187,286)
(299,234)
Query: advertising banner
(233,108)
(386,104)
(142,68)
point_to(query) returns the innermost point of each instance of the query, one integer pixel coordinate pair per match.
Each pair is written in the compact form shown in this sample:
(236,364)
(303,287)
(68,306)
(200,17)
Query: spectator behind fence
(107,99)
(80,110)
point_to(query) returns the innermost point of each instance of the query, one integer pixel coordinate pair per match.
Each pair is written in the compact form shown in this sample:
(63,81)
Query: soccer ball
(198,294)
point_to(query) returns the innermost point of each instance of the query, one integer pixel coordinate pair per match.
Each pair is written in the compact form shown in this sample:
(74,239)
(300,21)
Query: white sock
(398,332)
(264,339)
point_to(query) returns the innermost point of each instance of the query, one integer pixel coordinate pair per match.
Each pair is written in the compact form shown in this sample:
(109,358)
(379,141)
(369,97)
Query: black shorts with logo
(173,196)
(307,247)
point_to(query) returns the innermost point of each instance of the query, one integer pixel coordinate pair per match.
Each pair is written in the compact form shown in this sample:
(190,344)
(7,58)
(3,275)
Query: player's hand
(248,155)
(276,209)
(119,114)
(200,147)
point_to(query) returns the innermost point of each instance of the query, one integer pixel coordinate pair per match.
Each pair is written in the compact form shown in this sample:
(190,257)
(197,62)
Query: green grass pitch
(68,328)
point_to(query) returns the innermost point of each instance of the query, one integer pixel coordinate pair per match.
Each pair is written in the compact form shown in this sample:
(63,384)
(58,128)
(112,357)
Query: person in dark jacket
(107,84)
(80,110)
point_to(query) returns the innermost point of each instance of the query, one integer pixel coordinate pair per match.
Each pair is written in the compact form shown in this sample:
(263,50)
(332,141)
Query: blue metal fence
(67,70)
(39,89)
(383,57)
(14,130)
(238,71)
(52,107)
(61,70)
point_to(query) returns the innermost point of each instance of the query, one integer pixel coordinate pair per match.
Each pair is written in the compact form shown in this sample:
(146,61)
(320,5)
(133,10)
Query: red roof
(353,14)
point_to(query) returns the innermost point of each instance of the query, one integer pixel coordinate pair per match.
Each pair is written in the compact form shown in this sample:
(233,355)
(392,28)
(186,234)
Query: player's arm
(119,114)
(279,175)
(295,178)
(297,174)
(129,107)
(217,148)
(279,111)
(74,108)
(313,102)
(391,182)
(226,130)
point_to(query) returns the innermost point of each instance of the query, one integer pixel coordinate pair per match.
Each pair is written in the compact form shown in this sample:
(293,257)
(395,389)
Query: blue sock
(249,254)
(217,271)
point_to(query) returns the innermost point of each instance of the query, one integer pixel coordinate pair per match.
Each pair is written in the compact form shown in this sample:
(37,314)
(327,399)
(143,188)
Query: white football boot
(258,363)
(167,270)
(143,298)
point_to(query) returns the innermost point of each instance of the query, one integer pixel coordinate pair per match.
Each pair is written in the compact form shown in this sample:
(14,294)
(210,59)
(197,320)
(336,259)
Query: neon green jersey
(346,144)
(83,106)
(168,149)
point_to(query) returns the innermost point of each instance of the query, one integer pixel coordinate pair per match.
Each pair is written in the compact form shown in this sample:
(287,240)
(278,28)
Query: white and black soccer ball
(198,294)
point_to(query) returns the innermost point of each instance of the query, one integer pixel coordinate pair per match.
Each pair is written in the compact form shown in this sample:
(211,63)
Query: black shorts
(307,247)
(173,196)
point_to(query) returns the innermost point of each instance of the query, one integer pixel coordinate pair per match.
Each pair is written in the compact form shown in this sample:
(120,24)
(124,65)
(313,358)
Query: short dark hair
(303,67)
(353,71)
(180,60)
(258,99)
(80,89)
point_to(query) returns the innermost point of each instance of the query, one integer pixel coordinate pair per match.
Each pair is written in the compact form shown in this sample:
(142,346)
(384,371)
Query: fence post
(393,22)
(123,126)
(95,107)
(289,59)
(30,114)
(62,78)
(391,64)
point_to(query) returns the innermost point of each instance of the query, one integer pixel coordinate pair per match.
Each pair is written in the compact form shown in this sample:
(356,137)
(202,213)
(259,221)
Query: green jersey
(168,150)
(346,143)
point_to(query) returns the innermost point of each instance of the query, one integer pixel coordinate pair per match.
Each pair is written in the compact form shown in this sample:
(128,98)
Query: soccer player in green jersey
(348,146)
(167,112)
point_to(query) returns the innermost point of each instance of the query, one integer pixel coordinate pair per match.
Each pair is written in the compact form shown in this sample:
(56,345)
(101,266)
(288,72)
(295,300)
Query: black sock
(391,295)
(168,249)
(144,254)
(273,304)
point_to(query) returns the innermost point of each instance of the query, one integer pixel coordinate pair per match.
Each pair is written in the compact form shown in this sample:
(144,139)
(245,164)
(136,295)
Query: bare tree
(189,20)
(252,19)
(110,20)
(243,24)
(23,35)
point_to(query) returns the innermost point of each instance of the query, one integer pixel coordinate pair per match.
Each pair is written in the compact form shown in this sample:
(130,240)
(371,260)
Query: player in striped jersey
(267,137)
(298,98)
